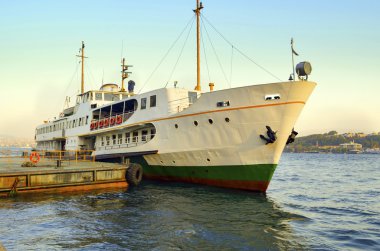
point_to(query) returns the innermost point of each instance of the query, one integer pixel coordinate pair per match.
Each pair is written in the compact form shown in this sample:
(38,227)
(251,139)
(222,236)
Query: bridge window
(143,103)
(111,97)
(98,96)
(153,101)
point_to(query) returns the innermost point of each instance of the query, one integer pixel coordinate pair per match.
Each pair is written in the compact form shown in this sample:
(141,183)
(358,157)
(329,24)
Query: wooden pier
(57,175)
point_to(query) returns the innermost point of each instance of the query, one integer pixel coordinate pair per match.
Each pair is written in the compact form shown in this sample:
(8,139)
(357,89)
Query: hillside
(332,140)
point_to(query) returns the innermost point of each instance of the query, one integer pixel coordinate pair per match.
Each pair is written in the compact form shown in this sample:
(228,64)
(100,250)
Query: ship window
(127,137)
(144,133)
(223,103)
(196,123)
(103,141)
(152,133)
(135,136)
(98,96)
(86,119)
(117,109)
(143,103)
(111,97)
(108,140)
(153,101)
(120,138)
(114,139)
(272,96)
(210,121)
(227,120)
(130,105)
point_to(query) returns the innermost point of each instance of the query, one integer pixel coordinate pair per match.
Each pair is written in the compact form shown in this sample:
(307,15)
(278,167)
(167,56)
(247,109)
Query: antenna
(103,77)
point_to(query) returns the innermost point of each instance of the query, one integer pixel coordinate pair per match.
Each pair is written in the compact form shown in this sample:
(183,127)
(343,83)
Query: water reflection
(153,216)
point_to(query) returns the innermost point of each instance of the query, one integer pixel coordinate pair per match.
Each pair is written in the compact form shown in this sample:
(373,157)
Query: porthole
(195,123)
(173,161)
(227,120)
(176,126)
(208,159)
(161,161)
(210,121)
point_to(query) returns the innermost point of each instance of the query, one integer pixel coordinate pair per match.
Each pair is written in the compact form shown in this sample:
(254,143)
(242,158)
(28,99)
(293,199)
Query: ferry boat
(230,138)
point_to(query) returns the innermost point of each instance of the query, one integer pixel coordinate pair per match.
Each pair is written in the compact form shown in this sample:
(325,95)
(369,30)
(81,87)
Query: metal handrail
(77,155)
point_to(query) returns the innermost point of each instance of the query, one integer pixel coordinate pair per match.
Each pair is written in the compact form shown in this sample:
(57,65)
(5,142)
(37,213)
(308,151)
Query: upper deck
(93,106)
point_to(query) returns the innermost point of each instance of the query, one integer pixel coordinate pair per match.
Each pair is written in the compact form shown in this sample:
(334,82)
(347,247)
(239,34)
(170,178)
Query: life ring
(101,123)
(106,122)
(92,126)
(119,119)
(96,125)
(112,120)
(34,157)
(134,174)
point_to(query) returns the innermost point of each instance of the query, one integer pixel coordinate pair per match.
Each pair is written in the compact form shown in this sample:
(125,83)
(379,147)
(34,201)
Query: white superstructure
(232,137)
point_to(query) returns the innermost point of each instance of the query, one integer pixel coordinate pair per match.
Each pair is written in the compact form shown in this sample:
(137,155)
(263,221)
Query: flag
(294,52)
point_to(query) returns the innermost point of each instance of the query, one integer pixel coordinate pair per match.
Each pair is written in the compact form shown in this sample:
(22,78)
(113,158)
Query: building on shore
(351,147)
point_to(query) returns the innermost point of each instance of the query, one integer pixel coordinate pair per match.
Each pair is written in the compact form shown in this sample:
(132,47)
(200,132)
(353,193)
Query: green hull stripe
(260,172)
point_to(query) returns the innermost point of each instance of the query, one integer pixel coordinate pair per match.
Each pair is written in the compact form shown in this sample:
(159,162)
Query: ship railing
(125,115)
(127,143)
(69,155)
(46,158)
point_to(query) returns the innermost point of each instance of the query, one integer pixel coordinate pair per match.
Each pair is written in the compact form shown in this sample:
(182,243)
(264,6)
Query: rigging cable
(90,75)
(71,81)
(204,52)
(213,48)
(237,49)
(166,54)
(232,56)
(180,54)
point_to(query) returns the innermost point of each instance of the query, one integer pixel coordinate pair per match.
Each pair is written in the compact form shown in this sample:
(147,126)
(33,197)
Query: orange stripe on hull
(257,186)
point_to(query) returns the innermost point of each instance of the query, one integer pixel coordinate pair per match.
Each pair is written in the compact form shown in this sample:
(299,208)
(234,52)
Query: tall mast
(82,61)
(198,12)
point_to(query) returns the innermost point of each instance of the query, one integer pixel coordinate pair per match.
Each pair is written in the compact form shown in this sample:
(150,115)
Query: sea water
(314,202)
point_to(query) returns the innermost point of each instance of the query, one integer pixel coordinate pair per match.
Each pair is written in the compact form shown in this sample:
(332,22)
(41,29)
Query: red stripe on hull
(257,186)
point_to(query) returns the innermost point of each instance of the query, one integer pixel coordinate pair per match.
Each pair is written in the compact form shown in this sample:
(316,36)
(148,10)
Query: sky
(341,39)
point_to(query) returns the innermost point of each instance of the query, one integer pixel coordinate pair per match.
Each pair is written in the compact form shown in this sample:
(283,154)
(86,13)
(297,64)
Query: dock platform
(69,175)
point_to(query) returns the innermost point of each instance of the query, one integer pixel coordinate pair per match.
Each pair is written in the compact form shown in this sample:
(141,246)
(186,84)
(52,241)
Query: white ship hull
(204,152)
